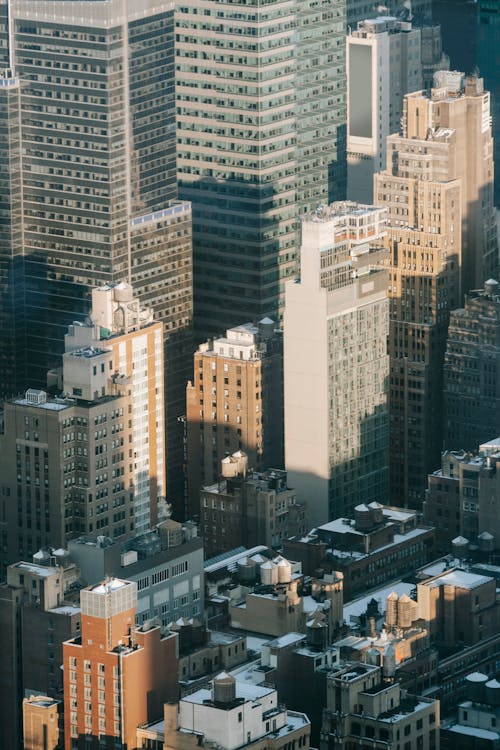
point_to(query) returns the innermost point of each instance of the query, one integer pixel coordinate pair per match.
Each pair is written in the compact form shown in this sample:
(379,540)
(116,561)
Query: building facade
(235,403)
(246,509)
(472,370)
(95,192)
(261,126)
(336,363)
(384,62)
(116,676)
(442,237)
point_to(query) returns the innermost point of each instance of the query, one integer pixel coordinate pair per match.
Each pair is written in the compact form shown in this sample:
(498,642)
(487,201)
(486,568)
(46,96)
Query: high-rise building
(235,402)
(438,190)
(64,463)
(336,364)
(261,100)
(120,324)
(472,370)
(488,31)
(384,62)
(88,93)
(386,59)
(116,675)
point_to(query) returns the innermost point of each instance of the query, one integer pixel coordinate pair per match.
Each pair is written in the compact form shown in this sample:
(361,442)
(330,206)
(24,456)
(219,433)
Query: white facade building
(336,364)
(384,62)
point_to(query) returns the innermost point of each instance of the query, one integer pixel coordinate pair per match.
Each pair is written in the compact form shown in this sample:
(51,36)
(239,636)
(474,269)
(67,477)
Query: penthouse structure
(336,362)
(116,676)
(235,403)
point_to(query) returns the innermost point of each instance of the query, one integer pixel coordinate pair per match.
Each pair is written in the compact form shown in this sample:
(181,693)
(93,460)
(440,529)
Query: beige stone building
(235,403)
(442,234)
(41,723)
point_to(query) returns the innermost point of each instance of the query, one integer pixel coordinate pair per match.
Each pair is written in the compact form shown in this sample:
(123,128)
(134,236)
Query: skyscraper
(438,188)
(472,370)
(336,363)
(261,100)
(88,93)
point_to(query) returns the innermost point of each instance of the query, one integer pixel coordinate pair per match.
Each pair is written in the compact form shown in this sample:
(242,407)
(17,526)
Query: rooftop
(108,586)
(459,578)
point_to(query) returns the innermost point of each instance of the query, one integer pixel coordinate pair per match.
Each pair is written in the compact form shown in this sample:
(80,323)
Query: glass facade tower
(98,176)
(261,108)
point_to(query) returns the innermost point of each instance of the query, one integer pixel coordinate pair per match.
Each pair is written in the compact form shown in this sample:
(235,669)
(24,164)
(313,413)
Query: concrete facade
(336,363)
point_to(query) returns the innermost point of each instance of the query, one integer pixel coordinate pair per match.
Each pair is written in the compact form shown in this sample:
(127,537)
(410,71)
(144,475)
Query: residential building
(226,715)
(246,509)
(41,723)
(235,403)
(116,675)
(336,363)
(378,544)
(36,617)
(261,100)
(119,323)
(63,459)
(442,238)
(202,652)
(166,564)
(366,706)
(471,380)
(384,62)
(95,191)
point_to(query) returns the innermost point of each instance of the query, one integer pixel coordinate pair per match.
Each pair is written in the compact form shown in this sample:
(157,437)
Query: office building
(120,324)
(471,381)
(336,363)
(488,29)
(166,564)
(442,238)
(95,192)
(230,714)
(36,616)
(384,62)
(41,723)
(116,675)
(365,703)
(235,403)
(261,100)
(249,508)
(475,723)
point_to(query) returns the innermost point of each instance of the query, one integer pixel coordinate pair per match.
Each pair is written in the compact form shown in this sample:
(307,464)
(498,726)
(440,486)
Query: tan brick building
(235,402)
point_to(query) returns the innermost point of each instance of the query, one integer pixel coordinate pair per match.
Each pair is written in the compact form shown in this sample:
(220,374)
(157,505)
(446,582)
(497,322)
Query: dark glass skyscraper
(96,191)
(261,103)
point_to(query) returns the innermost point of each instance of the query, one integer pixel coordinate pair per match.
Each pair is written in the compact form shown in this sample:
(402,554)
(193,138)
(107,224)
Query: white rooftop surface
(436,568)
(294,721)
(339,527)
(234,559)
(358,606)
(66,609)
(50,405)
(484,734)
(112,585)
(287,639)
(458,578)
(255,642)
(403,715)
(39,570)
(243,690)
(398,515)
